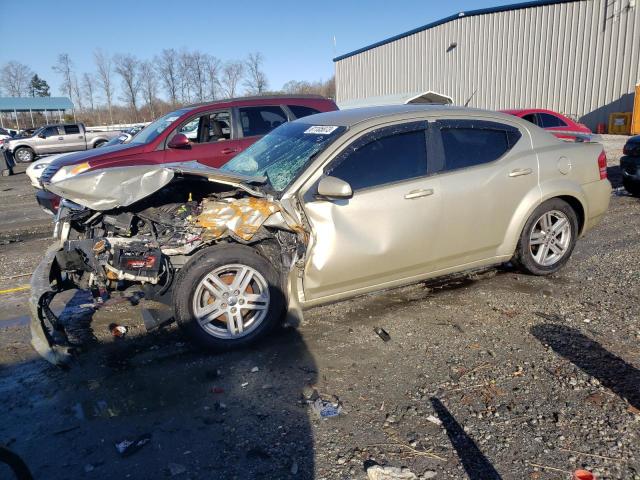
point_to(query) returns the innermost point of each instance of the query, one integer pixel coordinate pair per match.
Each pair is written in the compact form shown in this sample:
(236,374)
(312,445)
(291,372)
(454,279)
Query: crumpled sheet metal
(241,217)
(109,188)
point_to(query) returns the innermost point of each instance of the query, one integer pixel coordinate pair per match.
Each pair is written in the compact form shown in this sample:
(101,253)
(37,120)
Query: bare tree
(14,78)
(127,68)
(256,81)
(213,77)
(198,72)
(231,75)
(184,76)
(149,85)
(75,87)
(65,68)
(88,89)
(168,70)
(104,65)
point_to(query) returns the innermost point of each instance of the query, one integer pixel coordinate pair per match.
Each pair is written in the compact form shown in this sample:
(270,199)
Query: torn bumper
(47,335)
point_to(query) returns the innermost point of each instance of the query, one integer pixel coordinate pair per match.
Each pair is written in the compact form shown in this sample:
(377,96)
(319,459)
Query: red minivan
(210,133)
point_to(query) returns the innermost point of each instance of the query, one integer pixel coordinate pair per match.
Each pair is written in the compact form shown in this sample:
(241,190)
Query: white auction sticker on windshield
(320,129)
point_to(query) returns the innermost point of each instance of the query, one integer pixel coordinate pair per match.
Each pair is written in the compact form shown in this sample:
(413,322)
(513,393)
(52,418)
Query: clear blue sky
(295,37)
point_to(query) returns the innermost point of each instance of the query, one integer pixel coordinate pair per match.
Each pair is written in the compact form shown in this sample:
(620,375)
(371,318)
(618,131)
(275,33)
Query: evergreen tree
(38,87)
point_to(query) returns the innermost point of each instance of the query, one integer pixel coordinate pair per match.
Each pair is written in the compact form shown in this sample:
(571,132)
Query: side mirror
(179,140)
(334,188)
(42,135)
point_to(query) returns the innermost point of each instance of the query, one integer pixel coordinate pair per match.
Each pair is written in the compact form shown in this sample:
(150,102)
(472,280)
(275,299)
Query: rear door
(73,138)
(213,140)
(487,170)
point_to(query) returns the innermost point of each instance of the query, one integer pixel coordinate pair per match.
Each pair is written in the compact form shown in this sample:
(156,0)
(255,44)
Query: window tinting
(51,131)
(469,146)
(71,129)
(531,117)
(260,120)
(392,158)
(300,111)
(549,121)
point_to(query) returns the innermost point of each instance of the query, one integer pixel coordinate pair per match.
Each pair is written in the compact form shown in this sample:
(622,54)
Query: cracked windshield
(282,154)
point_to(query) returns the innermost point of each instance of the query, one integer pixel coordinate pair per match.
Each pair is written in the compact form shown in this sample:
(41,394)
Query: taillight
(602,165)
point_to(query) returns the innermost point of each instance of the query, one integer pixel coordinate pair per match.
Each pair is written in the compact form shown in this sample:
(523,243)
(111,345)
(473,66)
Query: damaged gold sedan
(321,209)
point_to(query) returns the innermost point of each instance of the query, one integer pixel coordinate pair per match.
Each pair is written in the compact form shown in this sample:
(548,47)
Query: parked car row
(319,209)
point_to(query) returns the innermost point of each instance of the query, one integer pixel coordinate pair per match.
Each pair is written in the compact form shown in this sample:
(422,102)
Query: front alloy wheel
(231,301)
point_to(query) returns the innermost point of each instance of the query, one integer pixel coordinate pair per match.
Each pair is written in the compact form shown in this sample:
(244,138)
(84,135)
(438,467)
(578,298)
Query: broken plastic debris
(255,369)
(382,333)
(128,447)
(326,409)
(378,472)
(583,475)
(434,419)
(118,330)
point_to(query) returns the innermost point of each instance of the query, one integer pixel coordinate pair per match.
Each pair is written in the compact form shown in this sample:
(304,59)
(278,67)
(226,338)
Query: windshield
(155,128)
(116,140)
(284,153)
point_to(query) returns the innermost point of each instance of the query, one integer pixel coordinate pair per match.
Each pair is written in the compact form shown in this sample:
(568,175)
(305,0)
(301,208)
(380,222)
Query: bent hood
(109,188)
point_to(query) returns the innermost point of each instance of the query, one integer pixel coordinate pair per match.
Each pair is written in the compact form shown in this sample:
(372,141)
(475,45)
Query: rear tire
(548,238)
(227,297)
(632,187)
(24,155)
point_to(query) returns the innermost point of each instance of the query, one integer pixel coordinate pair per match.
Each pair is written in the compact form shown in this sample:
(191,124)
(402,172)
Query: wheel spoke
(215,286)
(557,249)
(559,226)
(242,280)
(541,254)
(537,238)
(235,324)
(545,222)
(209,313)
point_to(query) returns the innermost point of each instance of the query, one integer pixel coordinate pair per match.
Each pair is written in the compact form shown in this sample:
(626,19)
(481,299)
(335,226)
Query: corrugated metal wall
(580,58)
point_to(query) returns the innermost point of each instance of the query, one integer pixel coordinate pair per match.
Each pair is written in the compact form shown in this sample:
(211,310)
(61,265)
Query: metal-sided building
(577,57)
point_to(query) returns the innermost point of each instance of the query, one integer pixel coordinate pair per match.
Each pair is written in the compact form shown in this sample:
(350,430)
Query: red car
(557,124)
(211,133)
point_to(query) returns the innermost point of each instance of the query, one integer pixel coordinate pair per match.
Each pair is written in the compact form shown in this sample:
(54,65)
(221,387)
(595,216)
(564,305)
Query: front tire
(227,297)
(548,238)
(99,143)
(24,155)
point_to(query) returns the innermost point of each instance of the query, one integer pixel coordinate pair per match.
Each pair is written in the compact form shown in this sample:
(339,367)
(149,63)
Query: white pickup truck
(59,138)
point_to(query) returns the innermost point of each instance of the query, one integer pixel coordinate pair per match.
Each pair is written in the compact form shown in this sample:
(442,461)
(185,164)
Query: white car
(36,168)
(34,171)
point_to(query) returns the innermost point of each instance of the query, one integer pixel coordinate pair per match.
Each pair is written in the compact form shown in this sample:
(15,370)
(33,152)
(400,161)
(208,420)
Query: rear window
(471,143)
(301,111)
(71,129)
(550,121)
(261,120)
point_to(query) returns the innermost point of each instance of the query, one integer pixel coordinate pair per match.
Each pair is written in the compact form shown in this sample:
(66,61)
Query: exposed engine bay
(147,238)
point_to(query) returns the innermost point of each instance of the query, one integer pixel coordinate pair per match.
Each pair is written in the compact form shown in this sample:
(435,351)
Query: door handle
(518,172)
(60,138)
(419,193)
(227,151)
(80,137)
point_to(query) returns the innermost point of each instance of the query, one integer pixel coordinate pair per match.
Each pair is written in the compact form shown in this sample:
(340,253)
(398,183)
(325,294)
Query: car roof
(353,116)
(258,100)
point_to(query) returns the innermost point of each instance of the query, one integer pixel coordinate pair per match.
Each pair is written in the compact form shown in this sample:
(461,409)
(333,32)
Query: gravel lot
(500,375)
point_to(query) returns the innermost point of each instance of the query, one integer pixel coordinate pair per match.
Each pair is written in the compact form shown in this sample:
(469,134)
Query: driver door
(382,234)
(52,142)
(212,140)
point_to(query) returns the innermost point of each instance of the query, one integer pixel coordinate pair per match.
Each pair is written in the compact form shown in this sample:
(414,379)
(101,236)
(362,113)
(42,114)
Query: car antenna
(469,99)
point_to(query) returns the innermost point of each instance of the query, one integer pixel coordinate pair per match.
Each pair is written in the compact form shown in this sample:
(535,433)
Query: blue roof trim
(472,13)
(9,104)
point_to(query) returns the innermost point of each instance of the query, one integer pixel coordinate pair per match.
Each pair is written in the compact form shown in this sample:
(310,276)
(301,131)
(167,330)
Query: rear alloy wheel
(548,238)
(228,296)
(24,155)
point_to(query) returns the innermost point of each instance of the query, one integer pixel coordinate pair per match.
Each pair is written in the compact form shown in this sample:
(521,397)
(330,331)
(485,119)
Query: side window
(260,120)
(51,132)
(549,121)
(467,143)
(385,156)
(301,111)
(71,129)
(531,117)
(209,127)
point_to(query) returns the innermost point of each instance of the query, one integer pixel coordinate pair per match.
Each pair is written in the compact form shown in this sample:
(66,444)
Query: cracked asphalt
(497,375)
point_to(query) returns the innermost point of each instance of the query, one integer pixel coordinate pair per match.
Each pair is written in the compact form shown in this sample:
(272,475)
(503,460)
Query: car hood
(96,154)
(109,188)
